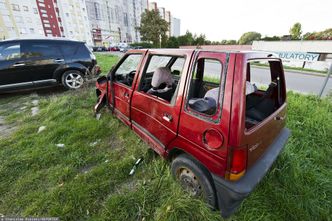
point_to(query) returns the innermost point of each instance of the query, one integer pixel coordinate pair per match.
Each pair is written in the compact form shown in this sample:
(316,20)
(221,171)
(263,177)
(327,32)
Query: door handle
(168,118)
(59,60)
(279,118)
(18,64)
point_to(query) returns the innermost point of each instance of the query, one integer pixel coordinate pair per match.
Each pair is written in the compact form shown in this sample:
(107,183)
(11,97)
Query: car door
(13,71)
(124,78)
(206,108)
(43,58)
(154,118)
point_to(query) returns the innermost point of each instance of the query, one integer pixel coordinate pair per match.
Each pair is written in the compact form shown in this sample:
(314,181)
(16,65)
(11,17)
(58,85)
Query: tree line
(154,32)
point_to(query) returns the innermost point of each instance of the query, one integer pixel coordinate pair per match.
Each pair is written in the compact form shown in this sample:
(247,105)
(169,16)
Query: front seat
(162,84)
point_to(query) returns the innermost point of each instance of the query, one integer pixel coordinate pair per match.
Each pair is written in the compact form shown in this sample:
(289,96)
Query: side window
(161,77)
(204,89)
(125,73)
(10,52)
(37,50)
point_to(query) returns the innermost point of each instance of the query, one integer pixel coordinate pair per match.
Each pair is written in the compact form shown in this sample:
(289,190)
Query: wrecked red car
(202,110)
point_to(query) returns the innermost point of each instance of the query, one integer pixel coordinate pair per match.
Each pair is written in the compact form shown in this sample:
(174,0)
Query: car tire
(72,79)
(194,178)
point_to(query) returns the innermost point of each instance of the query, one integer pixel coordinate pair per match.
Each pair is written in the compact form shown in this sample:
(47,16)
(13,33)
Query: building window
(44,15)
(15,7)
(32,30)
(25,8)
(41,4)
(35,10)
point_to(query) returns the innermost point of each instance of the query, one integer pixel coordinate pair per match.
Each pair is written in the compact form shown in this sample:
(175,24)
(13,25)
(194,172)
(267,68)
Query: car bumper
(231,194)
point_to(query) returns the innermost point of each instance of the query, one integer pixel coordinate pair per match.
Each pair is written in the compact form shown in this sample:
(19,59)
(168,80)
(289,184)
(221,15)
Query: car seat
(162,84)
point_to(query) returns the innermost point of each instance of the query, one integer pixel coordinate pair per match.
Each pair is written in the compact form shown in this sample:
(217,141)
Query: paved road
(296,81)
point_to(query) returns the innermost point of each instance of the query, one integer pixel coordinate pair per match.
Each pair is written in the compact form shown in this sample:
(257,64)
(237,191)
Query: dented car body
(202,110)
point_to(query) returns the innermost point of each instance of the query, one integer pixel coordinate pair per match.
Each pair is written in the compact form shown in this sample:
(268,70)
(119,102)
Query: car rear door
(43,58)
(206,126)
(12,66)
(124,78)
(155,119)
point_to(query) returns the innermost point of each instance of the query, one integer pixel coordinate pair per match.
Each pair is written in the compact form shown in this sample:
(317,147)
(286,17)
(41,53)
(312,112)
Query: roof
(40,39)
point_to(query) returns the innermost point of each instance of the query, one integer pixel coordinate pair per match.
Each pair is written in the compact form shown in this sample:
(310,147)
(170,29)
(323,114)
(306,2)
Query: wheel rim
(189,181)
(74,80)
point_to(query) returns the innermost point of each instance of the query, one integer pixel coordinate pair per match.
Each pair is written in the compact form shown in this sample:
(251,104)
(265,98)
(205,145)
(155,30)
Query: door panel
(42,59)
(154,118)
(12,65)
(124,79)
(207,131)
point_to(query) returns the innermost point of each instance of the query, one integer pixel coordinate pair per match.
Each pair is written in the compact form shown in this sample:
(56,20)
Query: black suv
(35,63)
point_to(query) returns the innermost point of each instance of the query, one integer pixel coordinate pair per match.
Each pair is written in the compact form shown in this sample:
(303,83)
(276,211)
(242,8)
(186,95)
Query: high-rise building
(20,19)
(74,19)
(175,27)
(114,21)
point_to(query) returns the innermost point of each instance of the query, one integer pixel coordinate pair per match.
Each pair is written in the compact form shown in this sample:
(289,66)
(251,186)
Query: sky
(219,19)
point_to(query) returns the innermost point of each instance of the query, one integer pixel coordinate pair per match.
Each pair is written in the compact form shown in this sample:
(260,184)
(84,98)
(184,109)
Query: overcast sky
(219,19)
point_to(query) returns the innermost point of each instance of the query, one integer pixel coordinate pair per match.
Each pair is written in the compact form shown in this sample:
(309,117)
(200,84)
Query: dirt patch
(6,129)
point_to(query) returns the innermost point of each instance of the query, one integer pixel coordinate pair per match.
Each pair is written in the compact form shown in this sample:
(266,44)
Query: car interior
(269,95)
(161,77)
(204,88)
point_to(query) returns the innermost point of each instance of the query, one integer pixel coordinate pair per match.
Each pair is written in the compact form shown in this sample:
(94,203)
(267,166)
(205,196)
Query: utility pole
(329,72)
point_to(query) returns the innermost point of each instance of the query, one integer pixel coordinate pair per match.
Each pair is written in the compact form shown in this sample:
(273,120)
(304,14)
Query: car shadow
(44,91)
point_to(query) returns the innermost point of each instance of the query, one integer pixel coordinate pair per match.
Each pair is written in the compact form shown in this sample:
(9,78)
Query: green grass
(82,181)
(106,61)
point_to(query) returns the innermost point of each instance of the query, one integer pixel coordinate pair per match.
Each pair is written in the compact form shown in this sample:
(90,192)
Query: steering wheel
(130,77)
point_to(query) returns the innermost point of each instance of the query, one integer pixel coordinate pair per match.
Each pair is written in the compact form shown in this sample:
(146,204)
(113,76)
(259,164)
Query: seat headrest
(162,75)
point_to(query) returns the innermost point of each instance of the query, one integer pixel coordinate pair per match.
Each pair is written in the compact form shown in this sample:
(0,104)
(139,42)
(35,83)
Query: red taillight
(238,164)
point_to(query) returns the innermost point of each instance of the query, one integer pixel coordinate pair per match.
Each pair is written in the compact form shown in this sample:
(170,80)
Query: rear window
(69,49)
(265,89)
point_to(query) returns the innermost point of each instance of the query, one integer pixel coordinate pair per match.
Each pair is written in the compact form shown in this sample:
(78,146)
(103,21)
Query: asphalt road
(296,81)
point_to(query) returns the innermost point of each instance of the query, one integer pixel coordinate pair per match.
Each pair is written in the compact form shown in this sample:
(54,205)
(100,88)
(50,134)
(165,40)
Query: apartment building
(115,21)
(20,19)
(74,19)
(174,23)
(50,18)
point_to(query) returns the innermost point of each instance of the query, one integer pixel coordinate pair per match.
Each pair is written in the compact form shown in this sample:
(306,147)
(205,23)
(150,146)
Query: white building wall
(19,19)
(175,27)
(75,20)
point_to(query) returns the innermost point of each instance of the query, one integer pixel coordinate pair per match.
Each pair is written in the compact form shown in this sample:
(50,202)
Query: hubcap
(189,181)
(74,80)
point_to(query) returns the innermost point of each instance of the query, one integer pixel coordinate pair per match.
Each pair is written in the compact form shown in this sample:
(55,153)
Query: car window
(69,50)
(161,77)
(35,50)
(158,61)
(204,89)
(10,51)
(126,71)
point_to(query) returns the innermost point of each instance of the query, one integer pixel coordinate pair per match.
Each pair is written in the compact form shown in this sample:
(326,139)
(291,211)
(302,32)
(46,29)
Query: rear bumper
(231,194)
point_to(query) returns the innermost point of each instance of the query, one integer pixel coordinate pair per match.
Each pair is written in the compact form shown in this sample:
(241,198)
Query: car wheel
(72,79)
(194,178)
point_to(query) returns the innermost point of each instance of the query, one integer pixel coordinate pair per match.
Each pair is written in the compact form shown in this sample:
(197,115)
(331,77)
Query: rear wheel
(72,79)
(194,178)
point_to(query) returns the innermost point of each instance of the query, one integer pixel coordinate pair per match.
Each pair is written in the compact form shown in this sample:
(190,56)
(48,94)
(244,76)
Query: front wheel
(72,79)
(194,178)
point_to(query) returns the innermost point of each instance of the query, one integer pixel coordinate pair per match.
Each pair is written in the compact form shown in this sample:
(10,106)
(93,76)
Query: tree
(153,27)
(187,39)
(249,37)
(172,42)
(296,31)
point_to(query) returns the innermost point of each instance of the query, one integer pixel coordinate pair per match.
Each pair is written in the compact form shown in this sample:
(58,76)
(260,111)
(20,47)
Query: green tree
(153,27)
(187,39)
(249,37)
(172,42)
(296,31)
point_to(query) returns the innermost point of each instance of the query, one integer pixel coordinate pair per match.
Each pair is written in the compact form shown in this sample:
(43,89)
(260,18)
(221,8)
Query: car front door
(154,117)
(43,58)
(13,71)
(124,78)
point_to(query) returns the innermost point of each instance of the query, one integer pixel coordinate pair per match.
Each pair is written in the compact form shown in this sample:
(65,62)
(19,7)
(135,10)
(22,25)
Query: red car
(202,110)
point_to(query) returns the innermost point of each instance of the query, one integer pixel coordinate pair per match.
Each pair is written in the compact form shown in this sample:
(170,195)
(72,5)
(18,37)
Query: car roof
(41,39)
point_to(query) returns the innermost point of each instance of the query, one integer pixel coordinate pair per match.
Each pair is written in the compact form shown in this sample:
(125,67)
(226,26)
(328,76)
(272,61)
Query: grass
(88,179)
(106,61)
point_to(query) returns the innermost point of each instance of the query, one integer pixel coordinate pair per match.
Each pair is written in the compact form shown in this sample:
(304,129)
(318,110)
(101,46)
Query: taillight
(238,163)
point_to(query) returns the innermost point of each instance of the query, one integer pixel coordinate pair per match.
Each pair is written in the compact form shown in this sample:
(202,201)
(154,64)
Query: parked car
(202,110)
(99,48)
(114,48)
(40,62)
